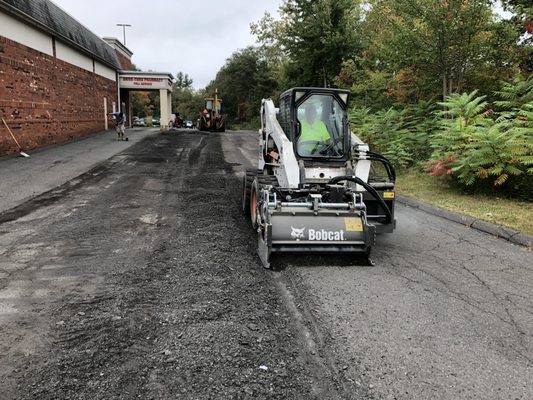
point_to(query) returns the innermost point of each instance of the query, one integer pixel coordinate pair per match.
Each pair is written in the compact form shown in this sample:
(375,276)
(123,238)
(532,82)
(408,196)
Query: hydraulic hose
(368,188)
(388,166)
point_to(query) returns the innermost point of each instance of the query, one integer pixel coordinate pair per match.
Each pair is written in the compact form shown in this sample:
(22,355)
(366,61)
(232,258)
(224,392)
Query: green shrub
(474,148)
(515,96)
(479,147)
(401,136)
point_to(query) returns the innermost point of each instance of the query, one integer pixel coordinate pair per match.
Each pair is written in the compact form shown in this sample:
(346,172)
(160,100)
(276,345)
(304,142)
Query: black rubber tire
(267,180)
(247,181)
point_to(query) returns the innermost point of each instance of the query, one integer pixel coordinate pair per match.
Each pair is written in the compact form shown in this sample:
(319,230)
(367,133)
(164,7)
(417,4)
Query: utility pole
(124,31)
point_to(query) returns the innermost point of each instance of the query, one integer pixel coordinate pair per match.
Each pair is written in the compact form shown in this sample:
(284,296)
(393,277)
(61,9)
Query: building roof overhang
(48,17)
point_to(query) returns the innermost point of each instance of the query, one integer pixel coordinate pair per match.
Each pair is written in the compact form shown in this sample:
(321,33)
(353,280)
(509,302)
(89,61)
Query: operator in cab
(314,133)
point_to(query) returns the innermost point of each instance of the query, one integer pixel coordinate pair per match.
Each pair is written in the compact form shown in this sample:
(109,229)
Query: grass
(438,191)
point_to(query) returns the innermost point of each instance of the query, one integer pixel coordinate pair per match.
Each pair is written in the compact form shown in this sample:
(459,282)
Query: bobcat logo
(297,234)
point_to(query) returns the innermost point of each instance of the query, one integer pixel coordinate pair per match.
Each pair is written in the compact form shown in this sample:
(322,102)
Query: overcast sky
(195,37)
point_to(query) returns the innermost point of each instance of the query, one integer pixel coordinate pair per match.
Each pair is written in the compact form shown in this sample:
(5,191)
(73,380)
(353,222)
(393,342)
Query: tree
(523,23)
(311,39)
(182,81)
(187,102)
(242,82)
(139,103)
(449,42)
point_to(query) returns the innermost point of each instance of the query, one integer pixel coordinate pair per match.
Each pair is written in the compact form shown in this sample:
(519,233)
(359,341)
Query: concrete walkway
(24,178)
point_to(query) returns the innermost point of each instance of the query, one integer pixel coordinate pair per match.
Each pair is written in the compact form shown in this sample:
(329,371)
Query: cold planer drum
(313,227)
(331,220)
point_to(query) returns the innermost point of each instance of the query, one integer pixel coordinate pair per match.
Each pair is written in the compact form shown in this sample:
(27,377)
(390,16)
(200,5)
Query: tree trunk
(444,86)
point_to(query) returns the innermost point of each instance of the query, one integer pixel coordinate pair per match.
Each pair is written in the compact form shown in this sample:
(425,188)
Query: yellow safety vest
(315,132)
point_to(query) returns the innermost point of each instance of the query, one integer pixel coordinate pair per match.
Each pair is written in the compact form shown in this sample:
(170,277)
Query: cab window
(321,127)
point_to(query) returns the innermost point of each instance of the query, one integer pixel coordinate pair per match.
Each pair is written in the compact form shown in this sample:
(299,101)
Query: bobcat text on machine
(317,187)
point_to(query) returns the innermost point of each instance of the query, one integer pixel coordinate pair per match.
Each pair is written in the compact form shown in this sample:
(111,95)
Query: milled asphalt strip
(511,235)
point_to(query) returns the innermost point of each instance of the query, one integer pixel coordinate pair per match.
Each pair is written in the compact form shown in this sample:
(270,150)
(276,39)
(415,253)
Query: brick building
(57,79)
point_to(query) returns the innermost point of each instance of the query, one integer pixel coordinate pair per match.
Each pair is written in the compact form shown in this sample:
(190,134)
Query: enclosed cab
(316,122)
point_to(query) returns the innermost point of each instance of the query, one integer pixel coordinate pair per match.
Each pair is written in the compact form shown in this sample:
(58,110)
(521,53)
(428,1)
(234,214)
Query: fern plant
(473,147)
(493,152)
(423,124)
(464,114)
(514,96)
(523,125)
(466,139)
(465,109)
(386,132)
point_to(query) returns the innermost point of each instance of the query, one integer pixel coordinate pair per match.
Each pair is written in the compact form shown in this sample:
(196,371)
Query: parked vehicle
(189,124)
(139,121)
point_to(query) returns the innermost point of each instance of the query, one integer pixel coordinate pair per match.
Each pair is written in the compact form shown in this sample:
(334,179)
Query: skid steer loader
(317,187)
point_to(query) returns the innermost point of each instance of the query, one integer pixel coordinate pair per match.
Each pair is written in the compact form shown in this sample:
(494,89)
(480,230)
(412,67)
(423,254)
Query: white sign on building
(145,81)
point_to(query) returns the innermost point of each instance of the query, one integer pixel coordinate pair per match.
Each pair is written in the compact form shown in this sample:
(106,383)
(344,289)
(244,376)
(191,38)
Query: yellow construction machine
(211,118)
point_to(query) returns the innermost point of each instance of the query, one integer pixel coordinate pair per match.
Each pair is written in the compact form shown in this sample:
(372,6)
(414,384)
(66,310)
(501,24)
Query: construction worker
(120,124)
(314,133)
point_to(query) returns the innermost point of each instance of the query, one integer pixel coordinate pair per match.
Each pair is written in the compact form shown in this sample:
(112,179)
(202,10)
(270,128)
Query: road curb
(511,235)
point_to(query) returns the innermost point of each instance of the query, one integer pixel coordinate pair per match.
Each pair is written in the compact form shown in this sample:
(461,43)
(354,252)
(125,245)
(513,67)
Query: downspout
(118,93)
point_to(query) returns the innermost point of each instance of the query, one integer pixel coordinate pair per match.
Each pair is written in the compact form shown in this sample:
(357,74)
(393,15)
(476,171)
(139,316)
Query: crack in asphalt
(520,332)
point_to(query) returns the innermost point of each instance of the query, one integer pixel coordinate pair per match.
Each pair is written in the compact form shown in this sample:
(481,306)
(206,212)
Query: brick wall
(45,100)
(125,62)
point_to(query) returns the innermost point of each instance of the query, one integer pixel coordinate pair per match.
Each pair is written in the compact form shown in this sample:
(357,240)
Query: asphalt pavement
(49,167)
(142,281)
(46,168)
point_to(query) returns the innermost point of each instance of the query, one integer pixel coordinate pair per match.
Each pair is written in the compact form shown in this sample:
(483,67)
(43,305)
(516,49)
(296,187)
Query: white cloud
(195,37)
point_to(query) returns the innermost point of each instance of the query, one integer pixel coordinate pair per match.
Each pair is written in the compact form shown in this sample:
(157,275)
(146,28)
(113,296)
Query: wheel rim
(253,208)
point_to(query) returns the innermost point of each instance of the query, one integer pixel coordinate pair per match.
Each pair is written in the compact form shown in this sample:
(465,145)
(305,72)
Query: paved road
(141,280)
(446,313)
(24,178)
